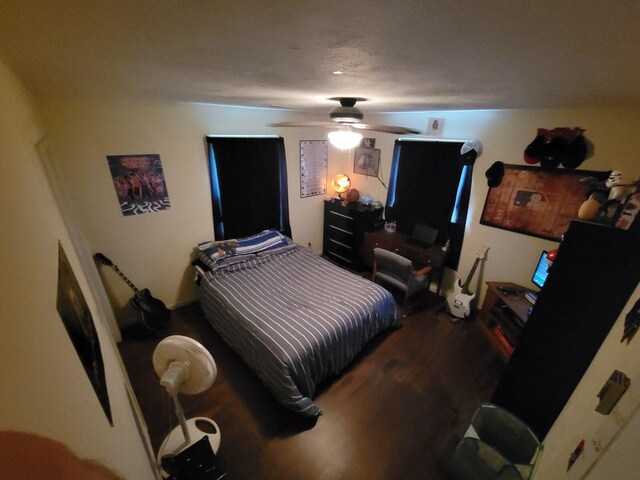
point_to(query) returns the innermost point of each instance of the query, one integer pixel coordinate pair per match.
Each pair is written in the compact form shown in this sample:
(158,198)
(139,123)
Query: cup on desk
(390,227)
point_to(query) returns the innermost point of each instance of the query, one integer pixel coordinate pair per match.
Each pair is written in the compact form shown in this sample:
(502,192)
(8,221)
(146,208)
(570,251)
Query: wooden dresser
(344,229)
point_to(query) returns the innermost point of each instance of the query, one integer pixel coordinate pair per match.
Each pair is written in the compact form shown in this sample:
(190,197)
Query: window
(430,184)
(248,185)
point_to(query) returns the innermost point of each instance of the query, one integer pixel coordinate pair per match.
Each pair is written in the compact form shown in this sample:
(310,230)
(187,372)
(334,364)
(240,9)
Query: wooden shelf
(503,317)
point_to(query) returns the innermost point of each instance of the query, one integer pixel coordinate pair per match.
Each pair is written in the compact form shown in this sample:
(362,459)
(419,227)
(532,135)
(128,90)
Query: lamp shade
(345,138)
(341,183)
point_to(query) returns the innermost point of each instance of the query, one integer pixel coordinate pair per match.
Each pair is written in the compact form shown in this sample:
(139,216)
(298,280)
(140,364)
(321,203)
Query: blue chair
(397,271)
(497,445)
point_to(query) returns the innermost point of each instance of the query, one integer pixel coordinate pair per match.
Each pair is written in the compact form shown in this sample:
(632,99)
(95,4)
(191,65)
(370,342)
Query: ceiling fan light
(345,138)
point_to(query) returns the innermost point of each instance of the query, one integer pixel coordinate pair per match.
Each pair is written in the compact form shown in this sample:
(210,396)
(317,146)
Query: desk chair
(398,271)
(497,445)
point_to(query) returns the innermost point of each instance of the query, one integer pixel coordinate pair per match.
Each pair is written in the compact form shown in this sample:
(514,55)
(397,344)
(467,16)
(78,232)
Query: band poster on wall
(313,167)
(139,183)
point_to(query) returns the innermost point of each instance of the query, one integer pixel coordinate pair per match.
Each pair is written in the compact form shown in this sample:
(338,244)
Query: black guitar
(152,313)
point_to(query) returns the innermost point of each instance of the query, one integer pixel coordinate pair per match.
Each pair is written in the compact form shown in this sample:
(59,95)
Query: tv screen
(542,270)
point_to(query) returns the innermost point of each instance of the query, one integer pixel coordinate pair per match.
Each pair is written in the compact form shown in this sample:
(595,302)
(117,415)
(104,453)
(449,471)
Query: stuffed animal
(350,196)
(621,186)
(606,200)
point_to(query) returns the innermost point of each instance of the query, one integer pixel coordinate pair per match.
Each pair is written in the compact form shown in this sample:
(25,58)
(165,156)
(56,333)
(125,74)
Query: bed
(294,318)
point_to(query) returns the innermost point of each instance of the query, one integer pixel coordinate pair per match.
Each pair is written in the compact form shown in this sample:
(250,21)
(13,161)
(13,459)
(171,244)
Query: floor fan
(185,366)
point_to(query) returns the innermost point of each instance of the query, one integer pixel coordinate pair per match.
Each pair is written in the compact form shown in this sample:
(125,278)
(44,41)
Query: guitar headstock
(482,252)
(100,258)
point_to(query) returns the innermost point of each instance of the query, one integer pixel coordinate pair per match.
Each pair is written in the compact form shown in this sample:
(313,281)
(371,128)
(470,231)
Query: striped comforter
(294,318)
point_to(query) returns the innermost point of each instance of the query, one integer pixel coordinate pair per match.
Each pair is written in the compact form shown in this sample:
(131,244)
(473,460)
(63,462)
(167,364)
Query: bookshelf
(503,317)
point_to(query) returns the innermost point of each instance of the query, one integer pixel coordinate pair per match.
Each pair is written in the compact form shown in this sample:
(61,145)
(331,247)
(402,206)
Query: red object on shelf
(502,339)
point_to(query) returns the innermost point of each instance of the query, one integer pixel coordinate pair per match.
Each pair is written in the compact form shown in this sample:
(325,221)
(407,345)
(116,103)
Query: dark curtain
(430,184)
(248,185)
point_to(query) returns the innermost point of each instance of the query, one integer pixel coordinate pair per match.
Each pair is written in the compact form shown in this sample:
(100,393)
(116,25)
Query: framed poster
(537,202)
(78,322)
(139,183)
(366,161)
(314,161)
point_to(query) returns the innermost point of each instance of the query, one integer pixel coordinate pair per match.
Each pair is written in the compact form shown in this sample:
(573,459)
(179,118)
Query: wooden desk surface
(397,242)
(518,304)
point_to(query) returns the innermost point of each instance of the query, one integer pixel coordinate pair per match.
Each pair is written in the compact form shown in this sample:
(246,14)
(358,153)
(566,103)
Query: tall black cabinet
(595,272)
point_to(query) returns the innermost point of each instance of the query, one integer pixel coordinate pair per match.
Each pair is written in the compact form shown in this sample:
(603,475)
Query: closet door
(595,272)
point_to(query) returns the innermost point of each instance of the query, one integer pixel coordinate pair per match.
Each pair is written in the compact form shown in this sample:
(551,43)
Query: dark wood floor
(393,414)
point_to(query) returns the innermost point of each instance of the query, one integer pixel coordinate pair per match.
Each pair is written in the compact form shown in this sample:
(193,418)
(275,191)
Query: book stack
(502,340)
(531,297)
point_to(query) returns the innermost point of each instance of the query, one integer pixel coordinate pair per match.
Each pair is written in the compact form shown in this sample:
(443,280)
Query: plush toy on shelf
(606,200)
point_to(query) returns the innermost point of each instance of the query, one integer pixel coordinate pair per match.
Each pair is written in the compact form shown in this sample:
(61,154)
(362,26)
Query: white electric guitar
(459,302)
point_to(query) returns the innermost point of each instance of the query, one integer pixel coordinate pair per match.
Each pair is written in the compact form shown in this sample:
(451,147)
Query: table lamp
(340,184)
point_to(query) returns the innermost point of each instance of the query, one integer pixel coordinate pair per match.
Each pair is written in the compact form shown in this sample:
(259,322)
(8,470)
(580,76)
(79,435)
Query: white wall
(504,135)
(155,249)
(580,421)
(45,389)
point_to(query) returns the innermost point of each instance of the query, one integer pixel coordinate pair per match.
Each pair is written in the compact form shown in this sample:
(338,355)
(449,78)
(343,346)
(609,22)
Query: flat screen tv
(542,270)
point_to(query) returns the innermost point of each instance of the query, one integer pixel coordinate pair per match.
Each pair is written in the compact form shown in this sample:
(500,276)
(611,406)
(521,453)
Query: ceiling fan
(346,117)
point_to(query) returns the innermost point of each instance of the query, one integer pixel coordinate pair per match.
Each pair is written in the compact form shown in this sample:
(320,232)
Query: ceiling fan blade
(384,128)
(305,124)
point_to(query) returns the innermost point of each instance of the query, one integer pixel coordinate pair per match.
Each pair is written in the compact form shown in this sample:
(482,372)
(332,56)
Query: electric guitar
(152,313)
(459,302)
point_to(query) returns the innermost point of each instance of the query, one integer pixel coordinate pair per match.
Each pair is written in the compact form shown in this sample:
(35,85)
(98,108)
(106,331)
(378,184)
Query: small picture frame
(366,161)
(368,143)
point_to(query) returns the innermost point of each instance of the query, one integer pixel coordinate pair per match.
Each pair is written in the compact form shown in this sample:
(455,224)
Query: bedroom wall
(504,135)
(45,389)
(154,249)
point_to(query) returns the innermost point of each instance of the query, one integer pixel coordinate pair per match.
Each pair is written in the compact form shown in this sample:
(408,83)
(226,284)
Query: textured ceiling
(401,56)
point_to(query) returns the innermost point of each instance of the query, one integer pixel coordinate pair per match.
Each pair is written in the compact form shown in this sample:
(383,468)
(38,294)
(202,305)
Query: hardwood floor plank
(392,414)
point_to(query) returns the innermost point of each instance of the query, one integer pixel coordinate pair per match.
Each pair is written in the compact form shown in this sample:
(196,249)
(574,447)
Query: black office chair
(397,271)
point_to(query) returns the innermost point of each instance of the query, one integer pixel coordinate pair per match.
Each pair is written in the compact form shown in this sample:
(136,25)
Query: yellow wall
(45,389)
(155,249)
(504,135)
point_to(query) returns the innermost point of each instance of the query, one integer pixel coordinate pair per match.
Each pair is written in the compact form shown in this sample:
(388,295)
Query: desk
(502,317)
(397,242)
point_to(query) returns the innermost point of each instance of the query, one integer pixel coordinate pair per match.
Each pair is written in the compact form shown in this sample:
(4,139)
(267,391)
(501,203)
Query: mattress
(294,318)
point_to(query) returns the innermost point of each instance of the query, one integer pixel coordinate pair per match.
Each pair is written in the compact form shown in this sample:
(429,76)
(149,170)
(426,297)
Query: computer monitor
(423,235)
(542,270)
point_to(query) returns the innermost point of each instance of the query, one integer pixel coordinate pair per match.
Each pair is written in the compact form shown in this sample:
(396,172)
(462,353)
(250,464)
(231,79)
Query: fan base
(175,439)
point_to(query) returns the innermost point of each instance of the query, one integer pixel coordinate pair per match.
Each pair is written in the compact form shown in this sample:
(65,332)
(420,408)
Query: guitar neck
(124,277)
(465,286)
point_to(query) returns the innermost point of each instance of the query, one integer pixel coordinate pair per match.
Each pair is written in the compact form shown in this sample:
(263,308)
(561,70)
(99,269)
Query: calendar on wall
(314,162)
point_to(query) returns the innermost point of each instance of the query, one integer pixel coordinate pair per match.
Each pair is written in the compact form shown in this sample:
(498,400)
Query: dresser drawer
(345,252)
(341,221)
(339,236)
